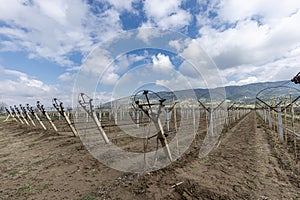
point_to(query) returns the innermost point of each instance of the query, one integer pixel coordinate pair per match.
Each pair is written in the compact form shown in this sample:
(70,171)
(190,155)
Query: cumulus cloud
(146,32)
(247,38)
(54,29)
(162,63)
(17,87)
(269,11)
(66,77)
(281,69)
(167,14)
(122,5)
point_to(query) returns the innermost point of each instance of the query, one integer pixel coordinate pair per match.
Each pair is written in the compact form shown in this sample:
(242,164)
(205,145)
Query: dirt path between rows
(247,164)
(244,166)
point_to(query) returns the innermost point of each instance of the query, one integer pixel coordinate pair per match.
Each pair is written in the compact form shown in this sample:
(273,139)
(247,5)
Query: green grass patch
(5,161)
(13,172)
(251,184)
(5,143)
(268,176)
(273,154)
(89,197)
(45,186)
(253,150)
(25,174)
(25,190)
(4,155)
(38,162)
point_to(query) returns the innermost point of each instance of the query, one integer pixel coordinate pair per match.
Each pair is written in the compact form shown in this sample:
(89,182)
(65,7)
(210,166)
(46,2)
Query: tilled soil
(247,164)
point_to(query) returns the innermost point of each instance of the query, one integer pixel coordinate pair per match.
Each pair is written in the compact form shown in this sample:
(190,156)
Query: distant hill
(248,92)
(243,93)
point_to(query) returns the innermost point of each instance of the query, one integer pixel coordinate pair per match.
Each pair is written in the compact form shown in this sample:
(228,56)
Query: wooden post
(29,117)
(293,125)
(285,122)
(175,126)
(70,124)
(280,128)
(8,116)
(229,117)
(40,121)
(116,116)
(86,117)
(175,118)
(86,103)
(269,118)
(194,122)
(76,115)
(50,121)
(137,119)
(163,140)
(272,115)
(104,136)
(211,123)
(18,116)
(206,119)
(265,115)
(25,120)
(168,116)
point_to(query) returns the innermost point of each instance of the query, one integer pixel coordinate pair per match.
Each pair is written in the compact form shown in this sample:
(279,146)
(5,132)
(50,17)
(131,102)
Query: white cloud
(110,77)
(250,41)
(66,77)
(282,69)
(167,14)
(98,60)
(254,40)
(198,65)
(17,87)
(99,64)
(250,79)
(122,5)
(54,29)
(55,9)
(146,32)
(269,10)
(180,82)
(125,61)
(162,63)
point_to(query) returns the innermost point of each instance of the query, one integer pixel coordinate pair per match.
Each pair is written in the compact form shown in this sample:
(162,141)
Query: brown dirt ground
(247,164)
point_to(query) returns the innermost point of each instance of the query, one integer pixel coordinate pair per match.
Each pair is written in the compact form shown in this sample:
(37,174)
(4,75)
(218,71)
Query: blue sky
(43,44)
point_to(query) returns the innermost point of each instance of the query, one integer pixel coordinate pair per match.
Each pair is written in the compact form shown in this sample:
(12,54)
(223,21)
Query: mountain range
(244,94)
